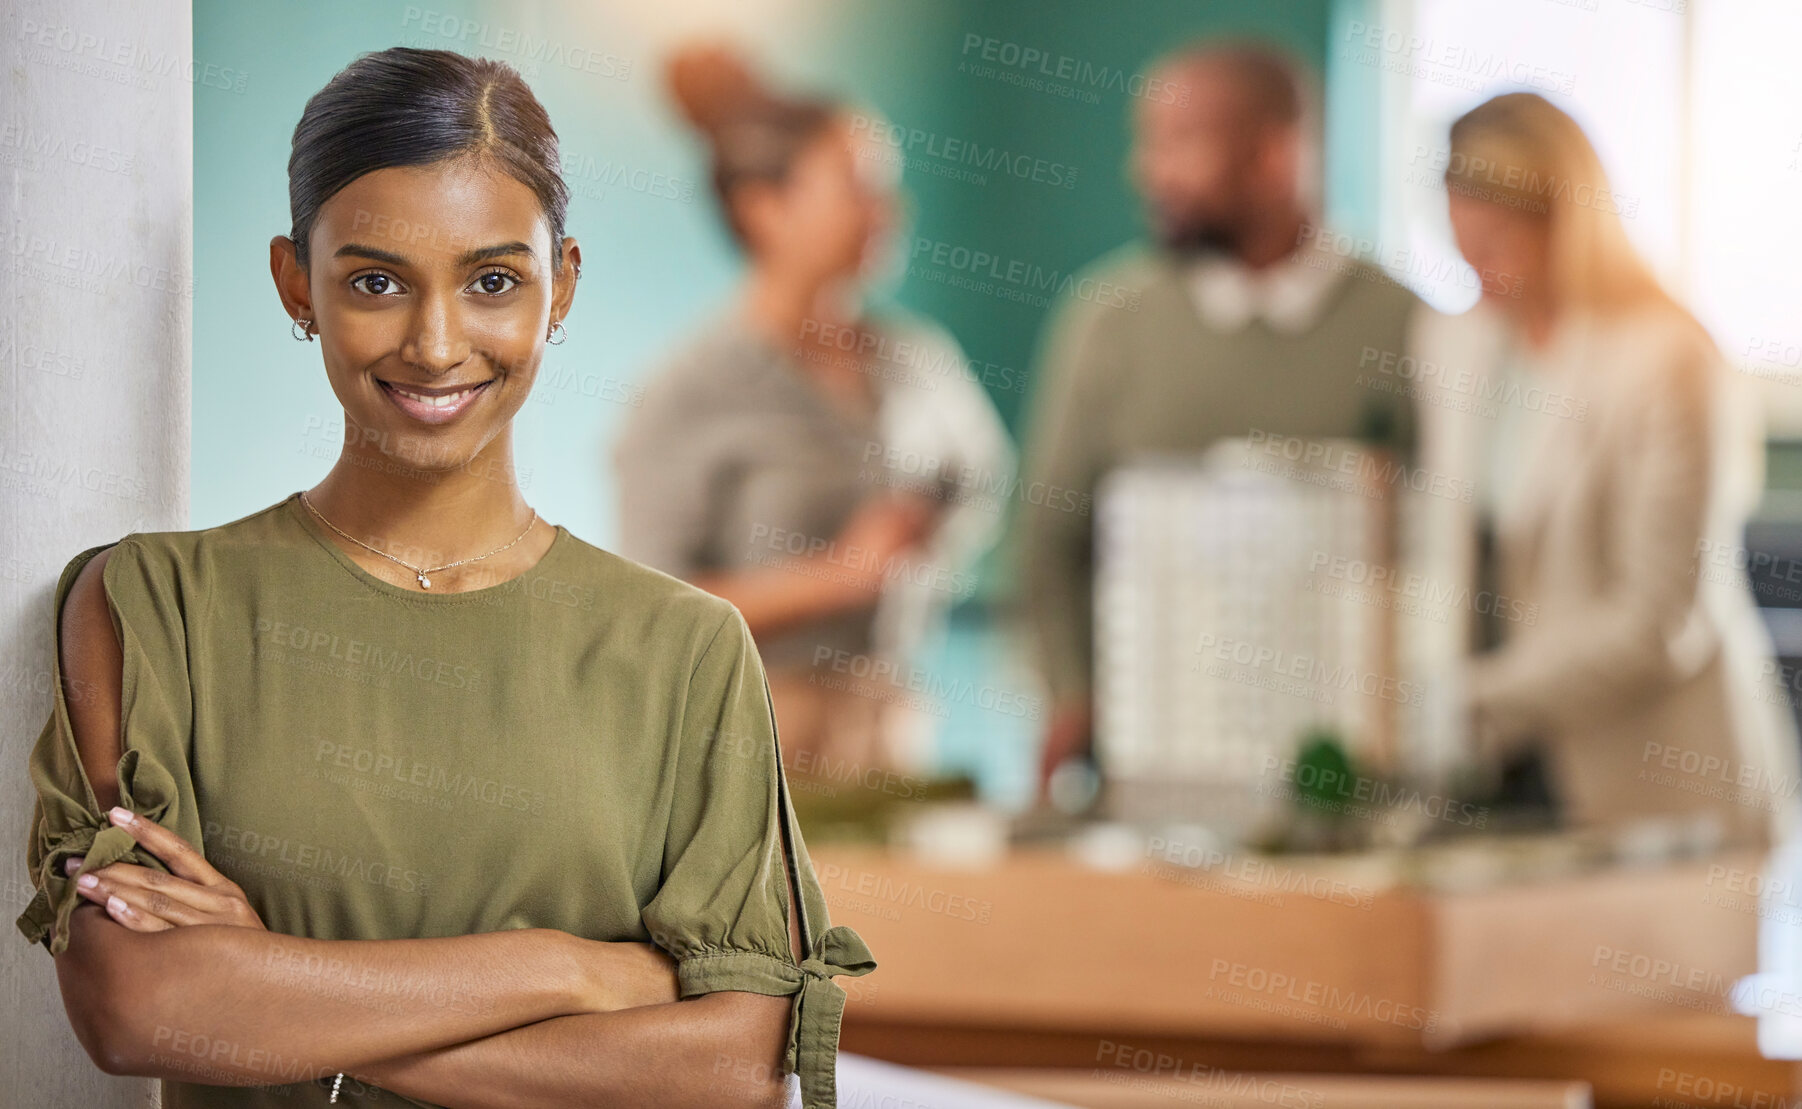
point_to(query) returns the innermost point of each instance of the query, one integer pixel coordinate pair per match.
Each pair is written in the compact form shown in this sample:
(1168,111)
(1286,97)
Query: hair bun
(712,83)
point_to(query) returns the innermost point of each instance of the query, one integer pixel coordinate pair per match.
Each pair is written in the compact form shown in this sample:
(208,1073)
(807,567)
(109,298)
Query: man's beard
(1199,236)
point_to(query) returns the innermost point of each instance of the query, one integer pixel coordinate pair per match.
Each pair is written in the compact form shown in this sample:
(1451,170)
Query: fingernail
(72,864)
(87,881)
(116,904)
(120,814)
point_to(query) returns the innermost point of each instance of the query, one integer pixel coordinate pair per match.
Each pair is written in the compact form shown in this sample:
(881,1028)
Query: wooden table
(1617,977)
(1127,1090)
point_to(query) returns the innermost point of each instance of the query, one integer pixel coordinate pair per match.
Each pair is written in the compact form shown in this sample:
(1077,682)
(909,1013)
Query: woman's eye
(496,282)
(379,284)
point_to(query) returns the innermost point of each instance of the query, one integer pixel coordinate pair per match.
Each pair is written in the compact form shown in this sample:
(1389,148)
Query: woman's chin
(403,449)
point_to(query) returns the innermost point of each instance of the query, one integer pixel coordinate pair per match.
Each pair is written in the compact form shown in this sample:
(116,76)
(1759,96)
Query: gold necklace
(419,572)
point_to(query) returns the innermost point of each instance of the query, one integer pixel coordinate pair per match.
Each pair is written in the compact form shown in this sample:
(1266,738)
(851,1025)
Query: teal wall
(265,423)
(264,418)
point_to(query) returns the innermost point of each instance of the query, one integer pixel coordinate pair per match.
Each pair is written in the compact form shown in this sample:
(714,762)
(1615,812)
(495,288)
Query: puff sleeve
(148,609)
(733,847)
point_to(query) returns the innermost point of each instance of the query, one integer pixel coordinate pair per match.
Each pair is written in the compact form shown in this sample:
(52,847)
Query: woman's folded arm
(717,1051)
(242,1006)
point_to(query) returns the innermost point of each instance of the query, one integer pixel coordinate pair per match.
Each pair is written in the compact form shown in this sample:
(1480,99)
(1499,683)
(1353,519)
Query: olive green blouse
(587,747)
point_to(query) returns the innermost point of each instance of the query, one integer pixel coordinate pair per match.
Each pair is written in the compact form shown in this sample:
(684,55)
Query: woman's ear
(564,293)
(290,278)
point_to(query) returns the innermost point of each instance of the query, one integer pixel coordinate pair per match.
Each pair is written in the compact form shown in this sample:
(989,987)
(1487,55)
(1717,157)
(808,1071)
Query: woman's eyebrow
(468,258)
(360,251)
(482,254)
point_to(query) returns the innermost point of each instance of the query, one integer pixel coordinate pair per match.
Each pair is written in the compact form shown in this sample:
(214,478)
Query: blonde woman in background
(1616,461)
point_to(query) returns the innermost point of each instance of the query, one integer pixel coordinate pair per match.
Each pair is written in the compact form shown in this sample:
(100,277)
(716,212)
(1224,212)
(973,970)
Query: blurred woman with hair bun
(827,468)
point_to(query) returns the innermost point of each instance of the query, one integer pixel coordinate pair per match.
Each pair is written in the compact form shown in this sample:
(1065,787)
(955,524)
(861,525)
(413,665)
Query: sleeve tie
(819,1008)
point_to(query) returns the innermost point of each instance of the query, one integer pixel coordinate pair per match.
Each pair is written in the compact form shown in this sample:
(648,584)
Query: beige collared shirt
(1287,294)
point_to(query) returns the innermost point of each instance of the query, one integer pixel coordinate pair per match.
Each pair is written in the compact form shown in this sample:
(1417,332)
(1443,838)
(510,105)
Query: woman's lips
(433,406)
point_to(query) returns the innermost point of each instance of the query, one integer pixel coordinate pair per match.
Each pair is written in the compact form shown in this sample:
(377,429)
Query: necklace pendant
(424,582)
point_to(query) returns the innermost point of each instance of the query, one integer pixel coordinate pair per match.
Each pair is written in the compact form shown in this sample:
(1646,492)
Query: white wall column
(96,296)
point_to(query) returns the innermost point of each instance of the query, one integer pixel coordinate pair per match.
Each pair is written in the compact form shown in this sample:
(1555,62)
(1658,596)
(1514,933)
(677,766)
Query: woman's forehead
(445,208)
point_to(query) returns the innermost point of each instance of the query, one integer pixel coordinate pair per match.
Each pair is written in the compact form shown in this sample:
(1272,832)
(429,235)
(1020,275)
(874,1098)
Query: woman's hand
(885,527)
(145,899)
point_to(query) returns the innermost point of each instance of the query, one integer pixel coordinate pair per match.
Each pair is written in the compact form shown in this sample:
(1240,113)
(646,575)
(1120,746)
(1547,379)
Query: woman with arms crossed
(415,789)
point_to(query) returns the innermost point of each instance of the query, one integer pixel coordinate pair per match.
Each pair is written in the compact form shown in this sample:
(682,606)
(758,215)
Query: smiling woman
(449,805)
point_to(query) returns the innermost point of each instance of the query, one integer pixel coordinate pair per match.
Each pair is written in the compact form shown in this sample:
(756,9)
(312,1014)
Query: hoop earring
(301,330)
(557,334)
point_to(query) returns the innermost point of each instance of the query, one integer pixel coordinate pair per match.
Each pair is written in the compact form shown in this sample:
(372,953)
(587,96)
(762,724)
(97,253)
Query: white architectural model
(1243,601)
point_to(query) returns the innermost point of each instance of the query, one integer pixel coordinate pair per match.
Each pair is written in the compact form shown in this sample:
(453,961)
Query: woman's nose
(435,340)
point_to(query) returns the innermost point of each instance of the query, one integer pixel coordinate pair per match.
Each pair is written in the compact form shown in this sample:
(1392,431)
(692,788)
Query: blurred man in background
(1248,320)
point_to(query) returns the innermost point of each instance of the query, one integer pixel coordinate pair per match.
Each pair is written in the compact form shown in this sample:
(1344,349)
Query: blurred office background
(660,259)
(1693,108)
(1696,110)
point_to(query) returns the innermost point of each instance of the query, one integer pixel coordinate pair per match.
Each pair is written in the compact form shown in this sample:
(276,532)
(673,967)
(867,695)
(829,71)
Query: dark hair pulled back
(409,107)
